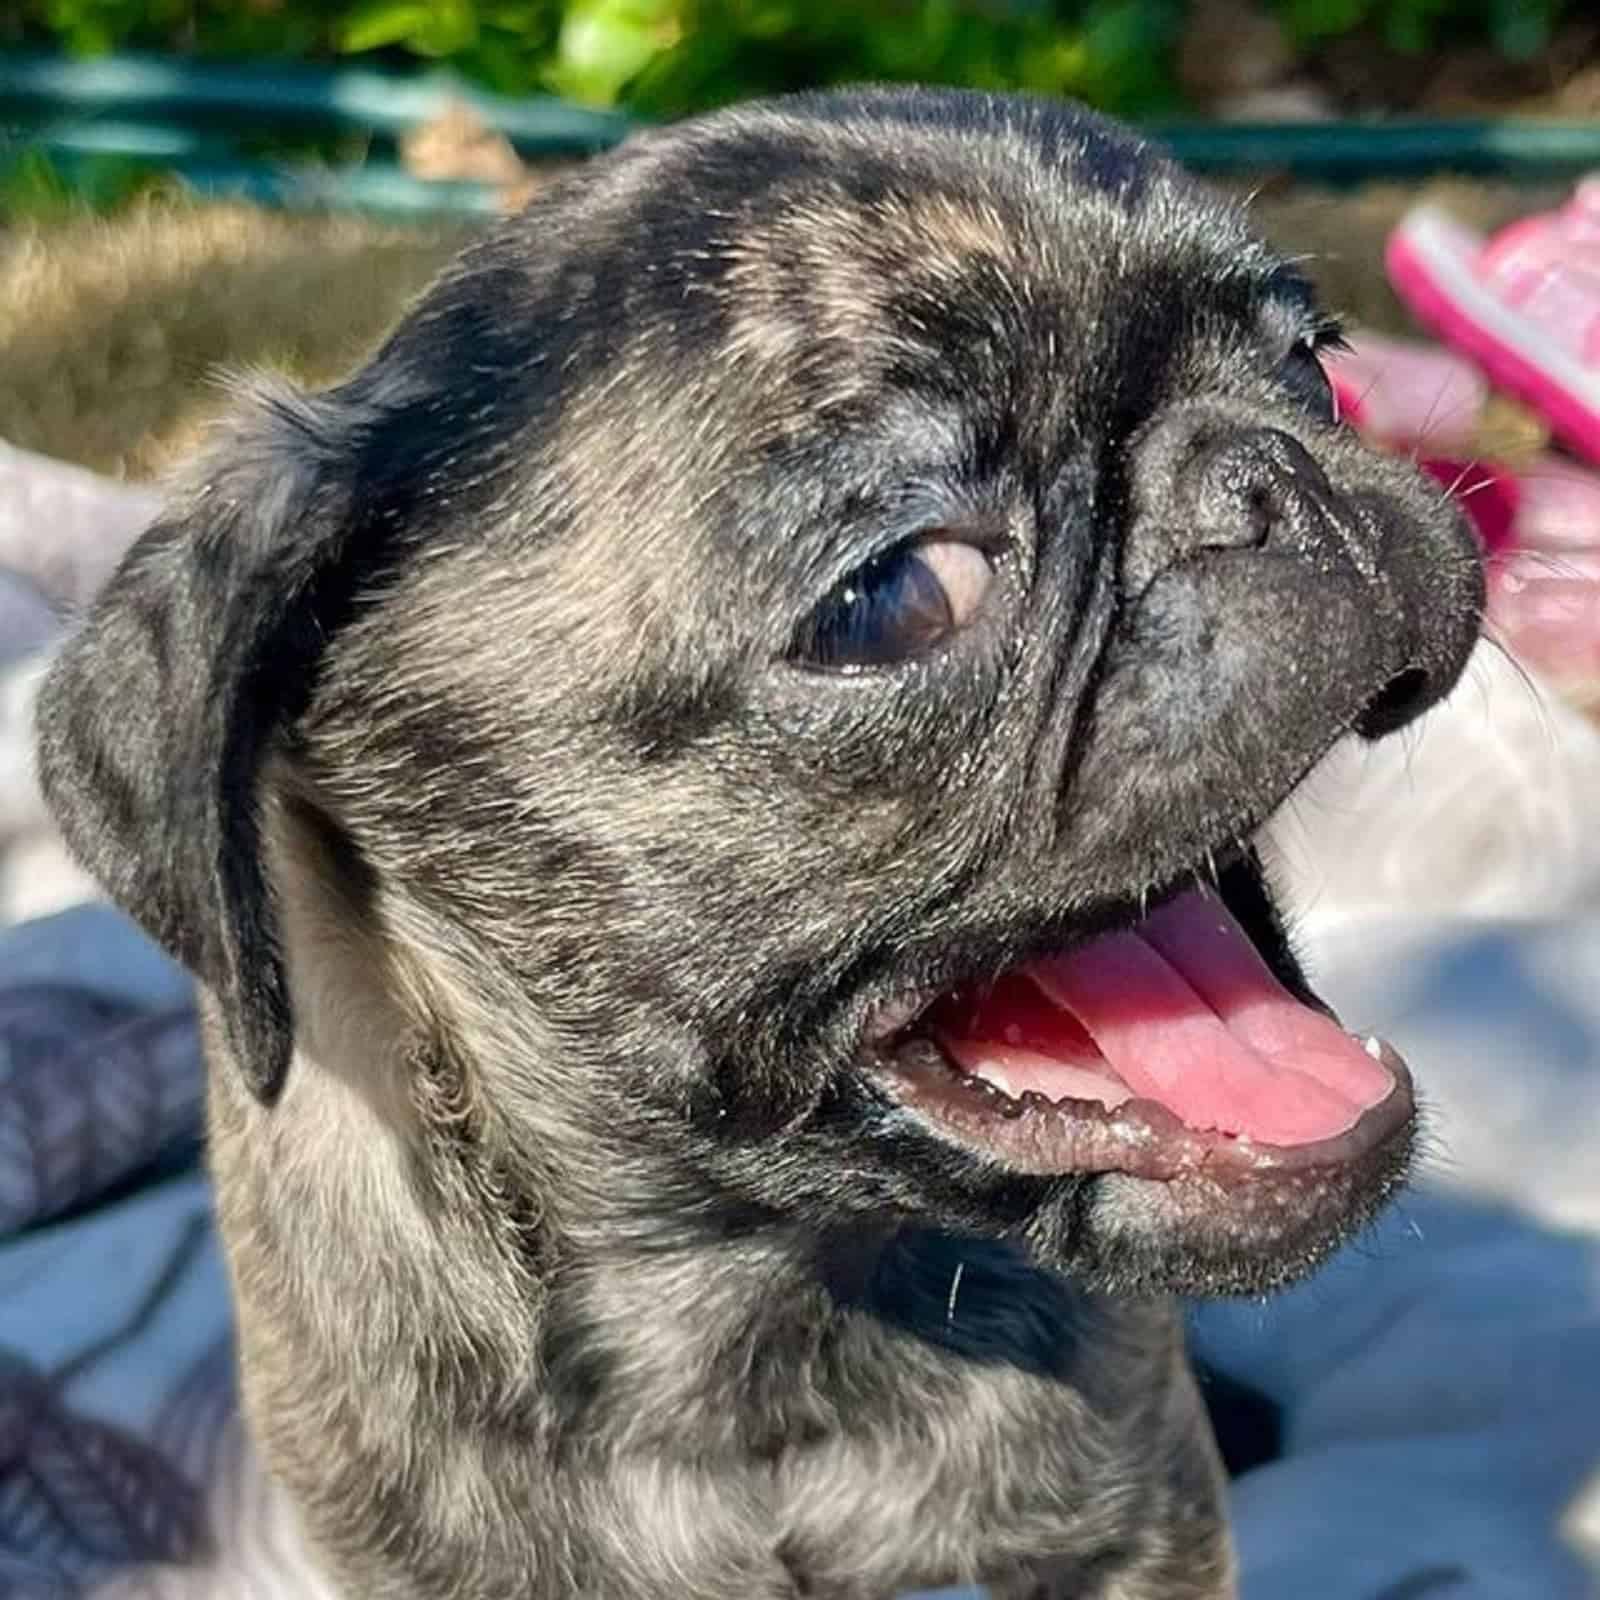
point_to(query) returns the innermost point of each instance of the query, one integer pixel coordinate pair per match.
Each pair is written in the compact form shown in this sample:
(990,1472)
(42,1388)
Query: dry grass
(1343,233)
(112,331)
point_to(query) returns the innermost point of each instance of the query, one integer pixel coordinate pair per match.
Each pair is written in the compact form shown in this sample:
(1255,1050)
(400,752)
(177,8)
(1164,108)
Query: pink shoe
(1544,581)
(1541,533)
(1486,452)
(1549,507)
(1524,305)
(1423,401)
(1405,396)
(1539,521)
(1545,610)
(1558,507)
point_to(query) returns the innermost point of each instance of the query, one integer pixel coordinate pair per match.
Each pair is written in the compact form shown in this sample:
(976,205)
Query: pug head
(788,647)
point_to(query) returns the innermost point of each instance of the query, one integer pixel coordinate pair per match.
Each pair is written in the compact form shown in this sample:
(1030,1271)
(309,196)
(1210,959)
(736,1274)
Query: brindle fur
(445,726)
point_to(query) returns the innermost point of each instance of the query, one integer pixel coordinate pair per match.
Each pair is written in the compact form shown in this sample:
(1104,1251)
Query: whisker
(1476,488)
(1460,478)
(1538,697)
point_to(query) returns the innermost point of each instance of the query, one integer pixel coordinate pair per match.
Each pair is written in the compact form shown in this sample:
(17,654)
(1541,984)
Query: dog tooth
(1373,1045)
(993,1077)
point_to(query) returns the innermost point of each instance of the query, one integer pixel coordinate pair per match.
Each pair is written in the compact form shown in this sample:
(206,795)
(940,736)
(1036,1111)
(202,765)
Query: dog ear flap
(156,717)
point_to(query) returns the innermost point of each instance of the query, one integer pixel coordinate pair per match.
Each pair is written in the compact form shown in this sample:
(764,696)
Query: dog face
(788,648)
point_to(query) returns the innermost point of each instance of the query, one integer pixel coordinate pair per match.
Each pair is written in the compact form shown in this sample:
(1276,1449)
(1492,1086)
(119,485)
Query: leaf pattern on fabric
(27,1580)
(90,1092)
(118,1497)
(260,1553)
(36,1018)
(77,1492)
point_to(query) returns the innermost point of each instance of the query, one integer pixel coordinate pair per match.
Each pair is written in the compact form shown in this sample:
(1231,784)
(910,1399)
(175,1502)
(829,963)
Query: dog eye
(898,605)
(1303,374)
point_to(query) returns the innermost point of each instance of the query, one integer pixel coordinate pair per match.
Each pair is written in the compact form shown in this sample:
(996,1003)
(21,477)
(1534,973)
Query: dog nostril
(1405,696)
(1207,487)
(1248,483)
(1262,507)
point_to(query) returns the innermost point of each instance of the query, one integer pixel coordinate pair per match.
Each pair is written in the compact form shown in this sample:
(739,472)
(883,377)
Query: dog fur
(450,726)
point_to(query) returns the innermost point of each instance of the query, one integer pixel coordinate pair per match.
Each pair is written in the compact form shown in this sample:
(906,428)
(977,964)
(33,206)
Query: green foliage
(221,27)
(667,57)
(30,186)
(1518,29)
(34,187)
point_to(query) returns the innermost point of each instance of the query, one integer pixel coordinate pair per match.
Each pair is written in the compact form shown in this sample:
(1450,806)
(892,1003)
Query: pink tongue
(1187,1014)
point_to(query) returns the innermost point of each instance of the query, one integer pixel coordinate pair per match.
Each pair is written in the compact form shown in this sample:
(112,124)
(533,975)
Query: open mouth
(1154,1050)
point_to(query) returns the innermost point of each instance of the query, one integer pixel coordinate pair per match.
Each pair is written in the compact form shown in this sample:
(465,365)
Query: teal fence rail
(192,117)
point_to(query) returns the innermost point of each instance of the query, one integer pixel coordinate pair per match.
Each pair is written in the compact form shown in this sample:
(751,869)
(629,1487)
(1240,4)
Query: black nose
(1204,486)
(1381,543)
(1254,487)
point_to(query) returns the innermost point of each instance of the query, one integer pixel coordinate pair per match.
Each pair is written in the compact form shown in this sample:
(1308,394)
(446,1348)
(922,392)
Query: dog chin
(1187,1116)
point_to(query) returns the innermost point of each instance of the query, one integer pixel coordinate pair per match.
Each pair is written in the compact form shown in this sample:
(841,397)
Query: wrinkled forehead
(800,268)
(804,301)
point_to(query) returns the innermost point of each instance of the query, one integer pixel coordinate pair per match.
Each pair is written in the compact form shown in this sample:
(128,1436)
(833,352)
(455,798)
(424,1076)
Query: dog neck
(716,1314)
(557,1373)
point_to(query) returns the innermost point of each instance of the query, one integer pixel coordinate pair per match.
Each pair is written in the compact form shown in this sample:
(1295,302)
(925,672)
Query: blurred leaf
(451,28)
(1311,20)
(382,22)
(1522,28)
(663,58)
(33,187)
(438,28)
(30,186)
(604,44)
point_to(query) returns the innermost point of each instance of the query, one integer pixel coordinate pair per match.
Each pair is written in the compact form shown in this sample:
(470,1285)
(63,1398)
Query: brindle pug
(711,790)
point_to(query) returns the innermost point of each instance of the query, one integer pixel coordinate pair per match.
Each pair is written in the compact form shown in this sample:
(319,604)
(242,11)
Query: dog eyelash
(1302,369)
(1326,334)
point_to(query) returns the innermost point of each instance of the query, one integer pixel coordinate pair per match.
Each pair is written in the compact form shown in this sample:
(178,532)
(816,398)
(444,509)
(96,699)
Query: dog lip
(896,1007)
(911,1068)
(1139,1139)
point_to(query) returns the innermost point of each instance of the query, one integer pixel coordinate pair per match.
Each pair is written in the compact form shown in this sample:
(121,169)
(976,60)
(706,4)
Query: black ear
(155,719)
